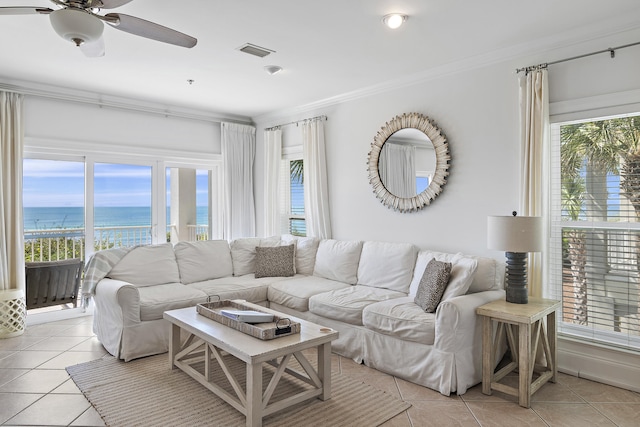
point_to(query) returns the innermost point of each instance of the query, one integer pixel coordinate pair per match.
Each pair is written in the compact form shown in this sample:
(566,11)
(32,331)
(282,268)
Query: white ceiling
(327,48)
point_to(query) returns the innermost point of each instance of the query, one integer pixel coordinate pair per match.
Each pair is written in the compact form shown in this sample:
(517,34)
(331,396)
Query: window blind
(595,235)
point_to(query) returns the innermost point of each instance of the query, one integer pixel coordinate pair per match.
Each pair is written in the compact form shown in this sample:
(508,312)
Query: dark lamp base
(516,278)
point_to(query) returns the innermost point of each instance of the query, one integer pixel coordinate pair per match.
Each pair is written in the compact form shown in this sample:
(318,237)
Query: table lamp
(516,235)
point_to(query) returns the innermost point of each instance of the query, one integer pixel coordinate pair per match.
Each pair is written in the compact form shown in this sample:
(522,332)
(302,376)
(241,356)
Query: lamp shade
(514,233)
(76,25)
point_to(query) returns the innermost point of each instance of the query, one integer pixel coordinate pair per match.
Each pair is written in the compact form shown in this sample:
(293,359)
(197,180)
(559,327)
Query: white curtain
(534,133)
(397,168)
(273,159)
(12,282)
(316,192)
(238,154)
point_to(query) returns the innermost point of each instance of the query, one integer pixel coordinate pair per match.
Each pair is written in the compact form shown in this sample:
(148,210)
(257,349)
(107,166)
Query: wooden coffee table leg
(254,395)
(324,369)
(174,344)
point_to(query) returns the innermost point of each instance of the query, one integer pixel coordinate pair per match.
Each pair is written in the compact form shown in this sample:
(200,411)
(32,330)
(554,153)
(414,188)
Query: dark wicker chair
(53,283)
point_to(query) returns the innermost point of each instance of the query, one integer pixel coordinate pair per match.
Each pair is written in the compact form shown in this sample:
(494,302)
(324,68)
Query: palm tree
(603,147)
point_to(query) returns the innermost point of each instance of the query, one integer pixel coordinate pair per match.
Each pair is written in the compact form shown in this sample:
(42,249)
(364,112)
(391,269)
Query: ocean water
(47,218)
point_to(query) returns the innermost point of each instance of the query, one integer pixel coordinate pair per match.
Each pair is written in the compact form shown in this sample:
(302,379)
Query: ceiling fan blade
(150,30)
(111,4)
(24,10)
(94,49)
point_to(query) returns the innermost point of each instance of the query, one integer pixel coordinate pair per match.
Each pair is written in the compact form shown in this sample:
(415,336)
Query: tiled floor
(36,390)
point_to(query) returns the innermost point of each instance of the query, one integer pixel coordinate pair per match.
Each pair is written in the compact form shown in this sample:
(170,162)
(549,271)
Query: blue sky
(51,183)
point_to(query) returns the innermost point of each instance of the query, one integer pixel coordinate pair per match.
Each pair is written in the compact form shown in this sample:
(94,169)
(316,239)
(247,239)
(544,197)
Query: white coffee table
(216,338)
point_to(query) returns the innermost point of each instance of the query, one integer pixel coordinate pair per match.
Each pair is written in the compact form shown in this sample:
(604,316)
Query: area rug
(145,392)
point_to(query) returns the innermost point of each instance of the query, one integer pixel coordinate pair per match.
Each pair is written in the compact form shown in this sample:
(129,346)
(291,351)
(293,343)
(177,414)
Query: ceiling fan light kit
(79,22)
(76,25)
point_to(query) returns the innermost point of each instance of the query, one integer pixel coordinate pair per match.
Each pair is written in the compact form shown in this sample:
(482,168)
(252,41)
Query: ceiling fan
(79,22)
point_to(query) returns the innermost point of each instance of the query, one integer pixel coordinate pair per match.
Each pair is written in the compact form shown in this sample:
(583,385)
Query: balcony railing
(60,244)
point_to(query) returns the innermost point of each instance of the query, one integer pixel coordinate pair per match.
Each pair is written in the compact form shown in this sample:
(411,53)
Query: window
(292,200)
(595,232)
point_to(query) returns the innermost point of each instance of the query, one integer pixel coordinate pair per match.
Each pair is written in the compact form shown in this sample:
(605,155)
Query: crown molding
(548,47)
(116,102)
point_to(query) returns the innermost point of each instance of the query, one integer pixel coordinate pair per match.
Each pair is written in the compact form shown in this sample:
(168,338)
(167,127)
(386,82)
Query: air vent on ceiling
(252,49)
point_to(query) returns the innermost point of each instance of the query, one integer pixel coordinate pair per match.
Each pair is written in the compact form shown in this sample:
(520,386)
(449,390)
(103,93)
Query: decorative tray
(280,327)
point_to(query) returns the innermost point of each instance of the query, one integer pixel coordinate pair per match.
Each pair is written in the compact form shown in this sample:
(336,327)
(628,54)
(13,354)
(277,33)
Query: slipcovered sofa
(365,290)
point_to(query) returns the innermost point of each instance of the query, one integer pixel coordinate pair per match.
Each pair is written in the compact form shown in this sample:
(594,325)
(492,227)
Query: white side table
(526,331)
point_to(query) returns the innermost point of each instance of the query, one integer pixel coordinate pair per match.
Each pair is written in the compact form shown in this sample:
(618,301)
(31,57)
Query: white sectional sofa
(365,290)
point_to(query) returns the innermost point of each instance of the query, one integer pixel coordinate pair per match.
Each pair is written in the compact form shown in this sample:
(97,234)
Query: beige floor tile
(400,420)
(67,387)
(13,403)
(19,343)
(474,394)
(570,414)
(440,414)
(90,418)
(27,359)
(504,414)
(592,392)
(81,330)
(349,367)
(69,358)
(7,374)
(5,353)
(556,393)
(622,414)
(52,409)
(36,381)
(45,330)
(411,391)
(90,344)
(57,343)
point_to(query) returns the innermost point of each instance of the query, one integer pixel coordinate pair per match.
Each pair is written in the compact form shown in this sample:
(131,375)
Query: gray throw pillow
(277,261)
(432,285)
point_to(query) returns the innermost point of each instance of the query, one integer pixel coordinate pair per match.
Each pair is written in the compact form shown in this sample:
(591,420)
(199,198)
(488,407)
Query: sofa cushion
(295,292)
(489,275)
(346,304)
(155,300)
(387,265)
(402,319)
(306,249)
(245,287)
(203,260)
(338,260)
(147,266)
(462,271)
(434,280)
(276,261)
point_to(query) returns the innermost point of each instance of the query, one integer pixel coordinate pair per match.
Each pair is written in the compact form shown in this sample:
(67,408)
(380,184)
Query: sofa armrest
(457,323)
(118,301)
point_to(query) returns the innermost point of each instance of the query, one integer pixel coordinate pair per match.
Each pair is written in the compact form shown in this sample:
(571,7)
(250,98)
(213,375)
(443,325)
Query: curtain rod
(611,50)
(276,127)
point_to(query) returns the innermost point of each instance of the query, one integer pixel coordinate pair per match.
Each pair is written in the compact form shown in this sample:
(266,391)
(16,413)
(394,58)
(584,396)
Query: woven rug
(145,392)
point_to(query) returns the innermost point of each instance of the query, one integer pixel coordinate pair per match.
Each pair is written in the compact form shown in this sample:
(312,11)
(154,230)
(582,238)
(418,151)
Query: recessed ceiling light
(272,69)
(394,20)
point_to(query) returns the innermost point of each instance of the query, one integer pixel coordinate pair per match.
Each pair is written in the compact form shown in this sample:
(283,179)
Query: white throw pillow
(338,260)
(462,272)
(243,255)
(387,265)
(306,249)
(203,260)
(147,265)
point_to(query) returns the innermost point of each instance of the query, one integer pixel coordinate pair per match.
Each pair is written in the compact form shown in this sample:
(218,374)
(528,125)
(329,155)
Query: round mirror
(408,162)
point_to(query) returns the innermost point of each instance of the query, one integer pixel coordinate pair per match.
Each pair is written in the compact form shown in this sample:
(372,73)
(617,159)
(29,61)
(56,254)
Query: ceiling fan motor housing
(76,25)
